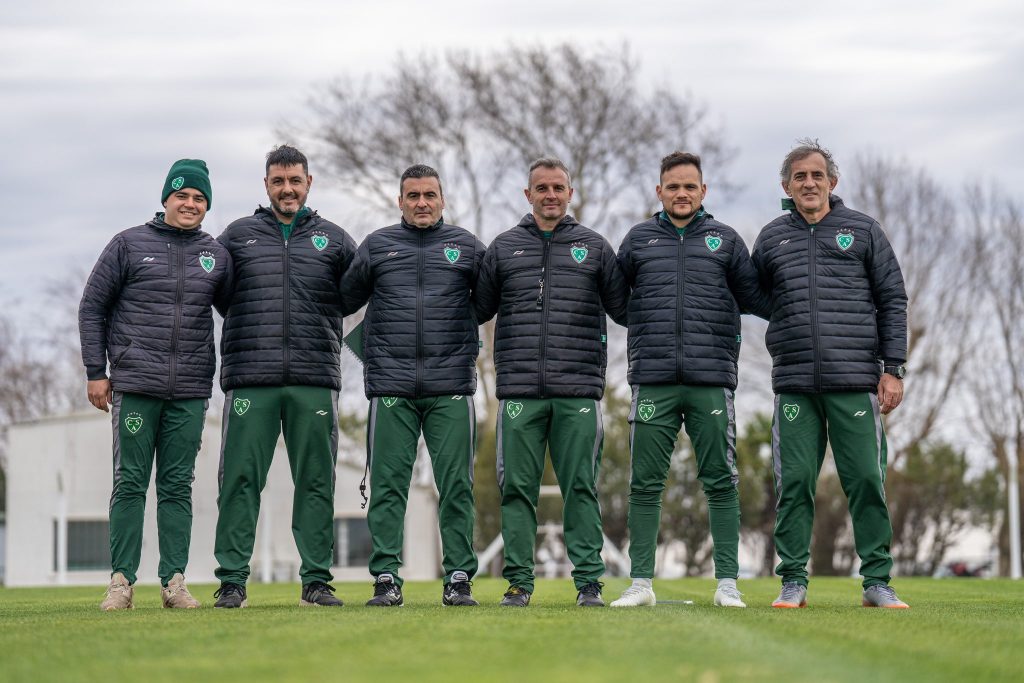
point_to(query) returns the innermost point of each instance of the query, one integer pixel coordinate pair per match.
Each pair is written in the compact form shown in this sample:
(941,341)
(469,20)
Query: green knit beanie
(188,173)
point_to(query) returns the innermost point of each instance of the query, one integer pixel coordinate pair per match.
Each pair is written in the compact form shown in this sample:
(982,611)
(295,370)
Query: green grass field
(957,630)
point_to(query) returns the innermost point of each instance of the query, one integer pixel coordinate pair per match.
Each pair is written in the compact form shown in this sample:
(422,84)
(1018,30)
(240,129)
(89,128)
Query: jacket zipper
(542,303)
(419,316)
(172,377)
(286,307)
(681,279)
(812,291)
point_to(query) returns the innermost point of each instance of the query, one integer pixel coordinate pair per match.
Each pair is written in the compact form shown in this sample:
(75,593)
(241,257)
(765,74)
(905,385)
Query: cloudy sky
(99,98)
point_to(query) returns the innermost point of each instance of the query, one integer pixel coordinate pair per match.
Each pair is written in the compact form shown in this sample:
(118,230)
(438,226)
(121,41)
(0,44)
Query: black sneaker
(230,596)
(458,593)
(386,593)
(590,595)
(516,597)
(319,594)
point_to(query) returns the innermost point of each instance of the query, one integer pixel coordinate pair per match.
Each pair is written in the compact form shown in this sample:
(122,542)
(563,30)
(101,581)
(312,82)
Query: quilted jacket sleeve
(101,292)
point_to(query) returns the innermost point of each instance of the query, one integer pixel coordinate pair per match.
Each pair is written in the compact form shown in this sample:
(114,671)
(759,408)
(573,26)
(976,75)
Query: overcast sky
(100,98)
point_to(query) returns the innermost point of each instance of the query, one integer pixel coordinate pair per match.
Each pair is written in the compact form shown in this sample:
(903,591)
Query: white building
(59,474)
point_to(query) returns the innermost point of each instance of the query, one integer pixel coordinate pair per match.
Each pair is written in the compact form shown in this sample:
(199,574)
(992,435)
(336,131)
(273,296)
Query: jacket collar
(409,226)
(530,223)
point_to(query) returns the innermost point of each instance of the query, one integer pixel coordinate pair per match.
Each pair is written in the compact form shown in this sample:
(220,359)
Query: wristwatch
(897,371)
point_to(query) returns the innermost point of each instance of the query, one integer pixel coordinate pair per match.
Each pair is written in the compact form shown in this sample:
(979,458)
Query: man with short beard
(281,371)
(691,277)
(420,340)
(146,309)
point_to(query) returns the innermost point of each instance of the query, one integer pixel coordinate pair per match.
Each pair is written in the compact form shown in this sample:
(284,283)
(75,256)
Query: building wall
(61,468)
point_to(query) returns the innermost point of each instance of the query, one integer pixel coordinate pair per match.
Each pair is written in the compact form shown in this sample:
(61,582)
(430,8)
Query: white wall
(73,454)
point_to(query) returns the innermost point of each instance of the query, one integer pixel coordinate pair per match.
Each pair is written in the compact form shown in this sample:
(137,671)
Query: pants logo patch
(133,423)
(790,410)
(716,412)
(513,408)
(241,405)
(389,401)
(860,413)
(646,409)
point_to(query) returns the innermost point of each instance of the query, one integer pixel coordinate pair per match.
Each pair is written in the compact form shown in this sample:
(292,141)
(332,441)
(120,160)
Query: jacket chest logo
(579,252)
(452,252)
(207,261)
(646,409)
(844,238)
(713,242)
(319,240)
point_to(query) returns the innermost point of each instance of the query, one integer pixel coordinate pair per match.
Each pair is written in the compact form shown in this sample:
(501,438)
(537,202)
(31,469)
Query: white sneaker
(728,596)
(636,596)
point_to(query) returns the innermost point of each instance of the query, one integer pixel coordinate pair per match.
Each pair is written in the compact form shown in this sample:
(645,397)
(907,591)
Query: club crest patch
(389,401)
(579,252)
(177,183)
(790,410)
(513,408)
(241,405)
(844,238)
(207,261)
(646,409)
(133,422)
(713,242)
(319,240)
(452,252)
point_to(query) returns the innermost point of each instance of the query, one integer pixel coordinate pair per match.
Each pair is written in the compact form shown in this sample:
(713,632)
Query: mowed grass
(957,630)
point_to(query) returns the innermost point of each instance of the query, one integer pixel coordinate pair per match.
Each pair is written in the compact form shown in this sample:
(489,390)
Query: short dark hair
(419,171)
(805,148)
(678,158)
(549,162)
(286,155)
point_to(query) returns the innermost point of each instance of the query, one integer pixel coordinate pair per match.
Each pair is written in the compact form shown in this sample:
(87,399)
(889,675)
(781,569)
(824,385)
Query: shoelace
(887,592)
(318,587)
(731,591)
(228,589)
(461,587)
(634,590)
(790,592)
(382,587)
(122,588)
(592,588)
(514,590)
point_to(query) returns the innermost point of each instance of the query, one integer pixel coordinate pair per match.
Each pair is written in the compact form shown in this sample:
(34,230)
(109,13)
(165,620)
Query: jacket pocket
(120,357)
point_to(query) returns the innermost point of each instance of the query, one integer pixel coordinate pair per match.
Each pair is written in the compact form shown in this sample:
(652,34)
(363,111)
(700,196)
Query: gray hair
(805,148)
(549,162)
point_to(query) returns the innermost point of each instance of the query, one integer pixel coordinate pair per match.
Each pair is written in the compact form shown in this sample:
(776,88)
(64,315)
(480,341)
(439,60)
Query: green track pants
(172,429)
(448,425)
(656,414)
(574,430)
(801,427)
(254,417)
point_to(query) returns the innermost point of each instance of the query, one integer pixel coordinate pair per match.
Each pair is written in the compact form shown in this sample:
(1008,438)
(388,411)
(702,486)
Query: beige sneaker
(177,595)
(119,594)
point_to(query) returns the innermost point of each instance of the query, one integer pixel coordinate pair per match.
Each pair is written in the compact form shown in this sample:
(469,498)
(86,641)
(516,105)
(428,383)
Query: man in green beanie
(146,310)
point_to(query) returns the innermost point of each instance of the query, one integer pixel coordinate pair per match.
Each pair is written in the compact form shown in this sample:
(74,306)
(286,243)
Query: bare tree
(997,369)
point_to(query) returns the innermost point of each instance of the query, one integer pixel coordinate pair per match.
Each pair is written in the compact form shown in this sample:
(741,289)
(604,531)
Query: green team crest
(133,423)
(645,410)
(713,242)
(452,252)
(513,408)
(241,405)
(319,240)
(207,261)
(844,240)
(177,183)
(389,401)
(579,252)
(790,410)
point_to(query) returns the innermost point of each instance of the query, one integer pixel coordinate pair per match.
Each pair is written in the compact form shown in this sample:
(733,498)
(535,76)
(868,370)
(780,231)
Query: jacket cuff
(94,372)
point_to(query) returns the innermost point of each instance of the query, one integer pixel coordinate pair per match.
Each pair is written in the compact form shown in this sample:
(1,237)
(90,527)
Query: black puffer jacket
(839,307)
(688,293)
(419,332)
(284,323)
(146,307)
(551,296)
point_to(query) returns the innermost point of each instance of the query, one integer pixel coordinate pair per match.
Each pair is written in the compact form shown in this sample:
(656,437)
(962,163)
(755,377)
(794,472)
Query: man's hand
(100,394)
(890,393)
